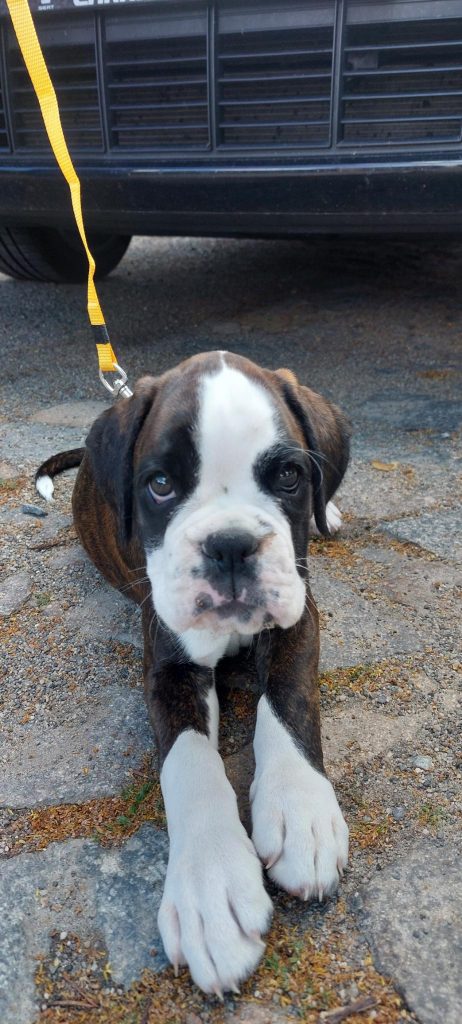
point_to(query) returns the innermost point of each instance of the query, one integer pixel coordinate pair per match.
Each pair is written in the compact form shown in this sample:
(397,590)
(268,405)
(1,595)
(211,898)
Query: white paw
(333,520)
(298,828)
(215,908)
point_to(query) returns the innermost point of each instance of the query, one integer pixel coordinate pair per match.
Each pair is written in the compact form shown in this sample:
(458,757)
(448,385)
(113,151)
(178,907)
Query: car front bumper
(242,200)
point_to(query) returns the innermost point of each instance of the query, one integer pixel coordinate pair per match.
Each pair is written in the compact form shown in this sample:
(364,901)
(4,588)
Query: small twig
(81,991)
(342,1012)
(72,1004)
(145,1017)
(46,545)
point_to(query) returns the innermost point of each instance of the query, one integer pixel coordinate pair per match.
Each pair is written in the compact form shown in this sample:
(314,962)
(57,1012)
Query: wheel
(51,254)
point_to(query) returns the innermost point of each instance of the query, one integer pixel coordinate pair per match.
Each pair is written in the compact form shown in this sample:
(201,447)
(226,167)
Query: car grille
(319,75)
(3,132)
(274,87)
(402,80)
(156,79)
(69,48)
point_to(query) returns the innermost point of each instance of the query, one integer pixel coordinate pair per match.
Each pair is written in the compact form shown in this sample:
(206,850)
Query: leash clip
(119,387)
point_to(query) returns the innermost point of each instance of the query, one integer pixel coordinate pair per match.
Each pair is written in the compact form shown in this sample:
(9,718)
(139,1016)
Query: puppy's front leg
(214,907)
(298,827)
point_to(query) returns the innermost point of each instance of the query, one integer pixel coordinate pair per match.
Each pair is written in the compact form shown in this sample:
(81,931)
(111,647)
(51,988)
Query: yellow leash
(35,62)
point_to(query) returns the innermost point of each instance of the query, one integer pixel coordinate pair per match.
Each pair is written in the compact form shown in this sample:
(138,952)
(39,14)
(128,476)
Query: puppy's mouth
(223,606)
(238,608)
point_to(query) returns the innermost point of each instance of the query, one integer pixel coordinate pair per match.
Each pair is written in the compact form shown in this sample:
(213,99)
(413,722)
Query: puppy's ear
(111,445)
(327,435)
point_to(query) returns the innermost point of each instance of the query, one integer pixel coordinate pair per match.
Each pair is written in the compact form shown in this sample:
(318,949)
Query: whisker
(146,598)
(150,627)
(175,640)
(134,583)
(311,453)
(314,456)
(309,605)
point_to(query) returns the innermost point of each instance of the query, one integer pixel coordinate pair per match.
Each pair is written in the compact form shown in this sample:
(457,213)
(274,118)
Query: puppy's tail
(56,464)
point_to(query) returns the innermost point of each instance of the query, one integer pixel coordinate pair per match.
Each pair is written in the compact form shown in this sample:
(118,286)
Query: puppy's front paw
(215,908)
(298,829)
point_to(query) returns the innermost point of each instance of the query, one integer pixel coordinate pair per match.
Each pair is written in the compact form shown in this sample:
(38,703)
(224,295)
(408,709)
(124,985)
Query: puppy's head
(219,465)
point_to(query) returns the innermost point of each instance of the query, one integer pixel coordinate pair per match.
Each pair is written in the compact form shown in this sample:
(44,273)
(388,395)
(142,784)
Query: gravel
(376,327)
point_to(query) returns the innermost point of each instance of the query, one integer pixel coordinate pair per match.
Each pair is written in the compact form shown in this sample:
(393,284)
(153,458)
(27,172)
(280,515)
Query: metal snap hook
(119,387)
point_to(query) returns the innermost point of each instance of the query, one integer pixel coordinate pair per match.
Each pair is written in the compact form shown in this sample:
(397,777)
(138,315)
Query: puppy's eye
(288,477)
(160,487)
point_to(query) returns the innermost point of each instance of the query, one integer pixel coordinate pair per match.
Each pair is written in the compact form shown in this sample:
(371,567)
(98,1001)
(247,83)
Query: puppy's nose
(230,550)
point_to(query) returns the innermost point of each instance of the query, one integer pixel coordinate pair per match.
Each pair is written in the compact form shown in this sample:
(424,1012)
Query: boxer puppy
(194,497)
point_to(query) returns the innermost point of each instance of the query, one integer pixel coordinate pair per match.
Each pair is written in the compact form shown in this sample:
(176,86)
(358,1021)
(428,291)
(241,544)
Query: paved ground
(82,836)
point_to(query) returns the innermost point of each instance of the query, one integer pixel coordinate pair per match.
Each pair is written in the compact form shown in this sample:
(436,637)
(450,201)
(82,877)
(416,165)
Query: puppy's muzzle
(229,566)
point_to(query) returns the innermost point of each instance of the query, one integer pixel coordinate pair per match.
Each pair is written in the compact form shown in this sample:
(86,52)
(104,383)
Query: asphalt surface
(377,327)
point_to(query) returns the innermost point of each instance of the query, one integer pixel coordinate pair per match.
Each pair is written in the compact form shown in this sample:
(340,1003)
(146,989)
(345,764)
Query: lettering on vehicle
(101,3)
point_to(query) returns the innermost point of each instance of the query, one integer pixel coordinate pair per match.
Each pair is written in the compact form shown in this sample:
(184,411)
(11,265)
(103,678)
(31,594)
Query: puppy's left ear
(327,435)
(111,446)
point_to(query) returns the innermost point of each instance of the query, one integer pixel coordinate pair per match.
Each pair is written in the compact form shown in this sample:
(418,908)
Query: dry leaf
(384,467)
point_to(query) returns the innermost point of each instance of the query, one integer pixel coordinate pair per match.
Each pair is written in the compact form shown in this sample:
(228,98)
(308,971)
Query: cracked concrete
(114,894)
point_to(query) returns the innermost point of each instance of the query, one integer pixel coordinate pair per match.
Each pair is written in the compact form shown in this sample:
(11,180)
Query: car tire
(51,254)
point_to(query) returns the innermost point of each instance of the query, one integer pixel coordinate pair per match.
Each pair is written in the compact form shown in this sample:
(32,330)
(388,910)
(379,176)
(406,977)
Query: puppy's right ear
(327,437)
(111,444)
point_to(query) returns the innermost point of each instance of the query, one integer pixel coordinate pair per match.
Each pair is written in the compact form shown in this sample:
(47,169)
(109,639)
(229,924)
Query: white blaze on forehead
(236,424)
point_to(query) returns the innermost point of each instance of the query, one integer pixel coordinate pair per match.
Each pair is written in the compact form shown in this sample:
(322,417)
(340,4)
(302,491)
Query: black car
(256,118)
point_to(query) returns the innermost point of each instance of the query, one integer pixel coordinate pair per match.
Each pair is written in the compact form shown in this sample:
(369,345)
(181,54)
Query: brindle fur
(288,676)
